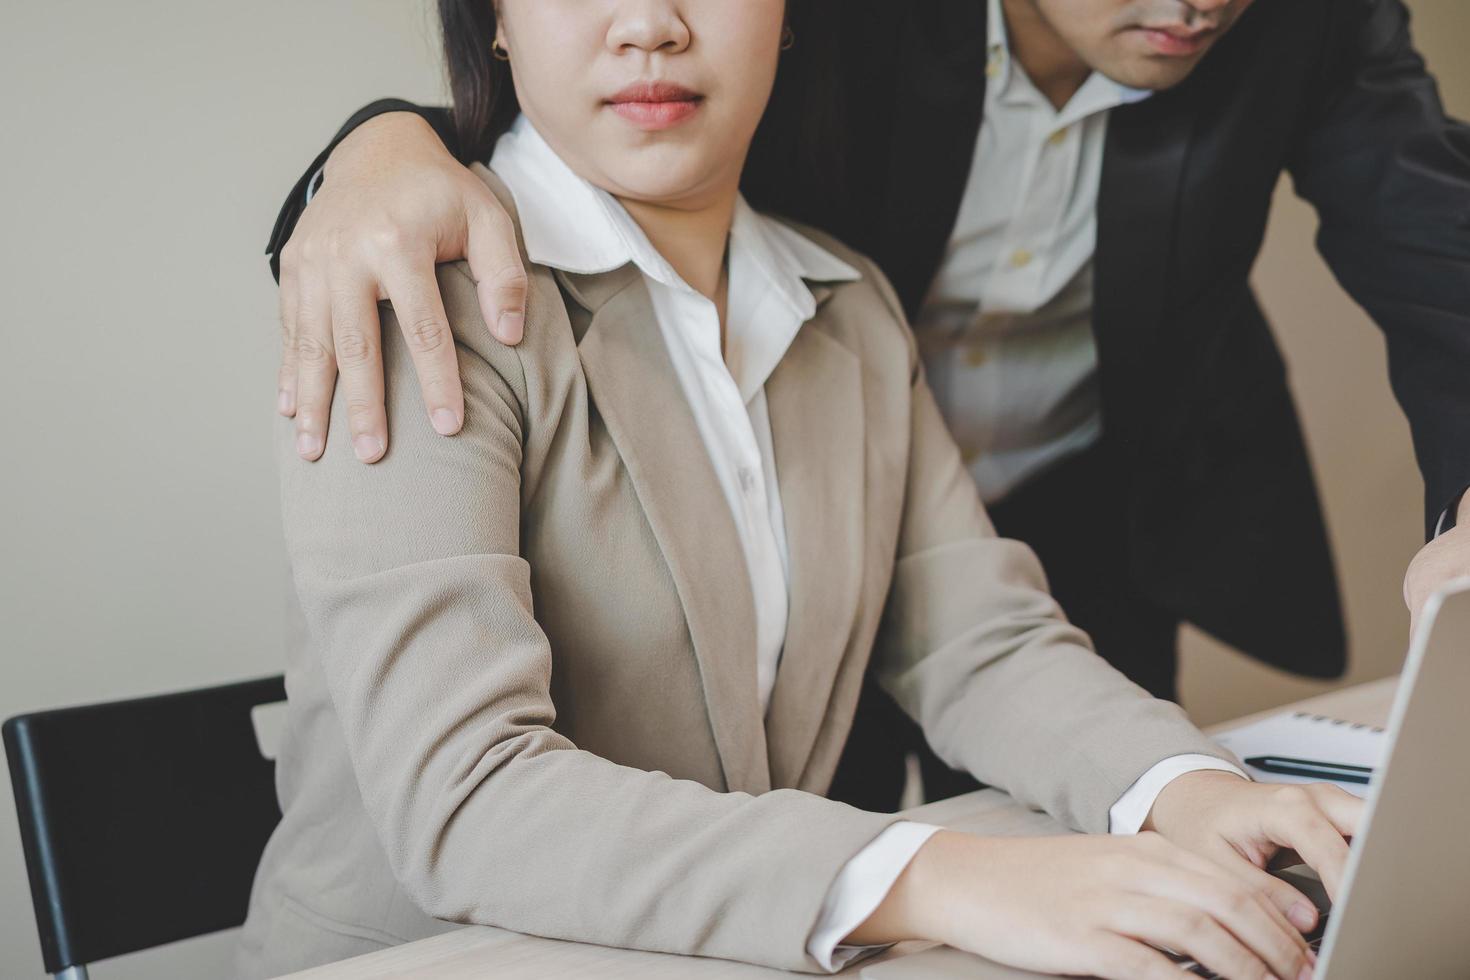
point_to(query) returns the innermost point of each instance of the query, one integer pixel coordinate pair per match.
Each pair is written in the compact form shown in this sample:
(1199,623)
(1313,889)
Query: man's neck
(1054,68)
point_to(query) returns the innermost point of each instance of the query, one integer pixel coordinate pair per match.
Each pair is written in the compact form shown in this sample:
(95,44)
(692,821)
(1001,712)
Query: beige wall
(146,145)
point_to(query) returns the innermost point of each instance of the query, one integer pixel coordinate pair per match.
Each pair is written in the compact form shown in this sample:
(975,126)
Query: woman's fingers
(1298,909)
(1188,929)
(316,367)
(495,262)
(355,339)
(413,290)
(1296,821)
(1121,958)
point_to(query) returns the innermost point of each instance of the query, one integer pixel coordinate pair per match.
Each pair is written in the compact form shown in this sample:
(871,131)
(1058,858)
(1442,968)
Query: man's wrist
(387,127)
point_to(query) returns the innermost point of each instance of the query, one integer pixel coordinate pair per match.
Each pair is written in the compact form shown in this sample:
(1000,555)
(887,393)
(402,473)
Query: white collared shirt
(1006,329)
(568,223)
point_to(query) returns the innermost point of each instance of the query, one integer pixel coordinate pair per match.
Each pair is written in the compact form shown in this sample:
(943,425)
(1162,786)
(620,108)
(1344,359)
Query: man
(1073,193)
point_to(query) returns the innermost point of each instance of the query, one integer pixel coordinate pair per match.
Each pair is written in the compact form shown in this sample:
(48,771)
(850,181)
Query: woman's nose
(648,25)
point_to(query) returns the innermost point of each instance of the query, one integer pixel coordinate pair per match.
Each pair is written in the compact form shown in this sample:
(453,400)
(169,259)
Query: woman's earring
(788,38)
(498,52)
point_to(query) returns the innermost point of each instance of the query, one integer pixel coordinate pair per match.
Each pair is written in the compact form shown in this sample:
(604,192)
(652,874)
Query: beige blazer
(523,690)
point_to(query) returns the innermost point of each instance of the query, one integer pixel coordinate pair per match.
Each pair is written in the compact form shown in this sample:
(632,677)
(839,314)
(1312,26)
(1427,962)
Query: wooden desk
(482,951)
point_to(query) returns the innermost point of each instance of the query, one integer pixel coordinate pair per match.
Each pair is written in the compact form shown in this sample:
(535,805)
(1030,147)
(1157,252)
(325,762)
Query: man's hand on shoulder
(393,203)
(1440,561)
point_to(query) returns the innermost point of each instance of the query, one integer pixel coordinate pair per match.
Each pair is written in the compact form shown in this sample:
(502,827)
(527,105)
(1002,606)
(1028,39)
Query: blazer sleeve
(976,650)
(419,608)
(295,203)
(1389,175)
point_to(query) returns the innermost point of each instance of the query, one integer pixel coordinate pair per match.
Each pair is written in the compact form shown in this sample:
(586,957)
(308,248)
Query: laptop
(1406,895)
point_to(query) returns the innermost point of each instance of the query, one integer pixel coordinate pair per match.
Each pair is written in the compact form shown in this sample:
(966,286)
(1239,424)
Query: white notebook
(1301,735)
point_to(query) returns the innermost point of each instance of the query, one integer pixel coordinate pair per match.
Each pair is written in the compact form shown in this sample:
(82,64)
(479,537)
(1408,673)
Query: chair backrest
(142,821)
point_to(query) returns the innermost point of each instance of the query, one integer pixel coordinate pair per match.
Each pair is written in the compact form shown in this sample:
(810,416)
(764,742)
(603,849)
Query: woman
(585,670)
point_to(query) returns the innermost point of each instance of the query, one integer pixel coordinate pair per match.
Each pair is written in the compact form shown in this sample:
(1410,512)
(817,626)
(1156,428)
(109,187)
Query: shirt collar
(1097,93)
(568,223)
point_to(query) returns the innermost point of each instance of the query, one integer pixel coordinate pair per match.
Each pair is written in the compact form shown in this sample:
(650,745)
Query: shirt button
(1055,139)
(974,355)
(1021,258)
(747,479)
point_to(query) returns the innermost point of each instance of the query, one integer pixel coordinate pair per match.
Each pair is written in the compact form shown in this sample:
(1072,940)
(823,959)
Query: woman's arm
(419,606)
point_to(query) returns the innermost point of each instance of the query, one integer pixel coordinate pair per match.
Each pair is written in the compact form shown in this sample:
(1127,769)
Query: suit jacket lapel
(633,384)
(815,398)
(937,84)
(1138,203)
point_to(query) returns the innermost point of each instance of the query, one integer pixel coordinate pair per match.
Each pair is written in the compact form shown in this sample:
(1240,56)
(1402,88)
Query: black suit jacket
(1226,528)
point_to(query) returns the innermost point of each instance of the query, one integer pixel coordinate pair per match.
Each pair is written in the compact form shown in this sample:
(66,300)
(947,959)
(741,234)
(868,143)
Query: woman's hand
(1089,905)
(393,202)
(1241,826)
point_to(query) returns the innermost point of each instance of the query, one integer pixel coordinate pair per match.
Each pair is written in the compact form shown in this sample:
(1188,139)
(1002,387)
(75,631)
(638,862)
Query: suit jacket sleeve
(295,202)
(1389,175)
(419,607)
(975,649)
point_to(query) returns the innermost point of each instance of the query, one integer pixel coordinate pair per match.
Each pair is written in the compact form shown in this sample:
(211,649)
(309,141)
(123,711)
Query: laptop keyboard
(1314,940)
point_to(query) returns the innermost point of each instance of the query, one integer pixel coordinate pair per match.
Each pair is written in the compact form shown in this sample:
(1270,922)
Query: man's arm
(1389,175)
(390,201)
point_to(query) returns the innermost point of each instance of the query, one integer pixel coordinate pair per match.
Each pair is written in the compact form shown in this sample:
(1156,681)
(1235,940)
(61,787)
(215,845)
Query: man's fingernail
(283,402)
(445,422)
(1303,916)
(511,326)
(1312,956)
(1306,973)
(308,445)
(367,447)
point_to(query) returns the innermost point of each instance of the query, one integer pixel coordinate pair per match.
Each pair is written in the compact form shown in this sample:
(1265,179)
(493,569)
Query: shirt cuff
(1128,814)
(860,888)
(315,184)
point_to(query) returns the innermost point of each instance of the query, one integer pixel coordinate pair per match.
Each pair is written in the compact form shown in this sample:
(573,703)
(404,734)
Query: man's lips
(655,105)
(1178,40)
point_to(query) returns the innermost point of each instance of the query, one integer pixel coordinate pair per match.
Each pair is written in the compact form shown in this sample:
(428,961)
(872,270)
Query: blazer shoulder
(853,302)
(547,327)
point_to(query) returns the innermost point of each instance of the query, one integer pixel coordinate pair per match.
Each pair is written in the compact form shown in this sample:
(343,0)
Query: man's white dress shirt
(569,224)
(1006,329)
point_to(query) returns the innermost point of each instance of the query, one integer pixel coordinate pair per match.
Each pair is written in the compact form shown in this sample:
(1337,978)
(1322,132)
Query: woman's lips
(1177,43)
(655,105)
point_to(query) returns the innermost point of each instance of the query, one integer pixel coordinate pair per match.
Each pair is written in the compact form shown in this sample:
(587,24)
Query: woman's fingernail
(1306,973)
(445,422)
(1312,956)
(367,447)
(511,326)
(308,445)
(1303,916)
(283,402)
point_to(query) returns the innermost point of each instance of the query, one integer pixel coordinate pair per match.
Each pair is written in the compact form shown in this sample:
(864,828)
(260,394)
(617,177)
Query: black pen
(1337,771)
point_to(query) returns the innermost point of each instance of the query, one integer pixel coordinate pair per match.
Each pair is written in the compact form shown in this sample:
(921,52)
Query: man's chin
(1154,74)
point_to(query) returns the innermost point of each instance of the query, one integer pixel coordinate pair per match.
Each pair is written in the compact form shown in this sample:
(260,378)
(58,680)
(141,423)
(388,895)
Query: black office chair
(142,821)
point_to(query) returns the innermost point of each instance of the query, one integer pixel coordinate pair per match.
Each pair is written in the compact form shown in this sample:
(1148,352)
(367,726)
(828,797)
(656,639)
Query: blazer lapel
(633,384)
(1138,203)
(815,398)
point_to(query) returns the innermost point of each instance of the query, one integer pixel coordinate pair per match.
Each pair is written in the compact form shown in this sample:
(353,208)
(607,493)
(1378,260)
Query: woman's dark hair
(801,126)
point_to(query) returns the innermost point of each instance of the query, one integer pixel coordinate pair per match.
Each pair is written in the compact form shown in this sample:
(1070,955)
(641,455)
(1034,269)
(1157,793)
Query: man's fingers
(316,368)
(419,309)
(495,262)
(357,344)
(286,376)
